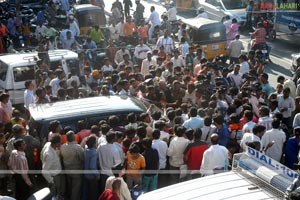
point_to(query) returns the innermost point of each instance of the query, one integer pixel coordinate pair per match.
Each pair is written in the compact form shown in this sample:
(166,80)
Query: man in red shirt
(109,194)
(193,154)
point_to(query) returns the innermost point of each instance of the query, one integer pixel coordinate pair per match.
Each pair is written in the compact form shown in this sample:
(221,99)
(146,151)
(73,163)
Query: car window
(23,73)
(3,71)
(234,4)
(213,2)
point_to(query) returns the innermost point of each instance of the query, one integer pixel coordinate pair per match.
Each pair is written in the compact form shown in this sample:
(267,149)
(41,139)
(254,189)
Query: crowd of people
(210,110)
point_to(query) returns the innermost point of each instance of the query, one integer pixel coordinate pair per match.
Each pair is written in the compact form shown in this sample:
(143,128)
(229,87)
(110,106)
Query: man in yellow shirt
(96,34)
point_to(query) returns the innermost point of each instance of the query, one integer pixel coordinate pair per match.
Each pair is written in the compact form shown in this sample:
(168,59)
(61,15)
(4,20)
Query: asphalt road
(281,49)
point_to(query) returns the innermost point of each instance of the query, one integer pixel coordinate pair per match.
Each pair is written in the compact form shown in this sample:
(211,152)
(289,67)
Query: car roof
(29,58)
(105,105)
(86,7)
(228,185)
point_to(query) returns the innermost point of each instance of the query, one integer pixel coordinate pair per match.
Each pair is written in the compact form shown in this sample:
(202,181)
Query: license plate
(264,51)
(215,47)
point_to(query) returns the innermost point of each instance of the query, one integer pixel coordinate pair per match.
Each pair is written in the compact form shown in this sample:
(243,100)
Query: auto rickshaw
(209,35)
(88,16)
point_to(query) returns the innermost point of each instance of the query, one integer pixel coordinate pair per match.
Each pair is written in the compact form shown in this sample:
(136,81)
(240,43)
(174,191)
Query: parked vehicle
(218,9)
(89,15)
(210,35)
(92,110)
(17,68)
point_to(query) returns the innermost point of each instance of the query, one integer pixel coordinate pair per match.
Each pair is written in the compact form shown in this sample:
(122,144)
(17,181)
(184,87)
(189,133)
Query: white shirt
(74,28)
(266,122)
(206,132)
(248,127)
(108,157)
(102,140)
(178,61)
(140,52)
(278,137)
(120,27)
(145,66)
(162,149)
(235,48)
(215,156)
(244,67)
(119,56)
(288,103)
(28,98)
(54,83)
(237,78)
(176,149)
(114,32)
(184,49)
(154,18)
(40,31)
(166,42)
(51,162)
(190,97)
(172,14)
(247,138)
(106,68)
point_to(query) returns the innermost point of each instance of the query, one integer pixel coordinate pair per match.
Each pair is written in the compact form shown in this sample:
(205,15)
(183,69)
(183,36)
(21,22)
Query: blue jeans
(149,183)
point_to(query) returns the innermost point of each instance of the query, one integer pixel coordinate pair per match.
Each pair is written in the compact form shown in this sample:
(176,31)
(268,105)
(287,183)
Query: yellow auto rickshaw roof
(202,23)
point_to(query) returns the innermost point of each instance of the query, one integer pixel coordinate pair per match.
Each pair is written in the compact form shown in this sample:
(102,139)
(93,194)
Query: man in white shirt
(172,13)
(162,148)
(107,67)
(248,116)
(215,158)
(140,51)
(165,41)
(273,140)
(286,105)
(207,130)
(114,31)
(40,31)
(175,152)
(28,94)
(236,76)
(235,49)
(257,132)
(264,117)
(145,68)
(119,57)
(51,166)
(74,26)
(155,21)
(54,83)
(177,59)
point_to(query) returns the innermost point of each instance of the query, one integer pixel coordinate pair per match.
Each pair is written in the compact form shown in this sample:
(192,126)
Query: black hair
(156,134)
(18,143)
(91,141)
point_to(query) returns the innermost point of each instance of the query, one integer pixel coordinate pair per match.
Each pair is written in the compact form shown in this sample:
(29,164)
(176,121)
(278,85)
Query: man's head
(214,138)
(29,85)
(264,78)
(19,145)
(116,185)
(70,136)
(55,141)
(152,8)
(17,129)
(286,92)
(110,137)
(236,69)
(259,130)
(193,112)
(91,142)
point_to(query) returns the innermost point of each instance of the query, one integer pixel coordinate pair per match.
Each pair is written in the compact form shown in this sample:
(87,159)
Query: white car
(218,9)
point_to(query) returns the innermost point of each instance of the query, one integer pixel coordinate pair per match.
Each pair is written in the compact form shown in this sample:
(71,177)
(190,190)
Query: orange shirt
(129,28)
(135,164)
(143,31)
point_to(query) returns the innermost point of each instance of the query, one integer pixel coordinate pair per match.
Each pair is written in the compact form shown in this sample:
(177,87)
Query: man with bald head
(215,158)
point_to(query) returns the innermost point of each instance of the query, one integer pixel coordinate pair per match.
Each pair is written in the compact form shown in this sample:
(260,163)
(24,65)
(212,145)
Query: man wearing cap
(140,51)
(235,49)
(73,26)
(292,149)
(120,53)
(147,62)
(165,41)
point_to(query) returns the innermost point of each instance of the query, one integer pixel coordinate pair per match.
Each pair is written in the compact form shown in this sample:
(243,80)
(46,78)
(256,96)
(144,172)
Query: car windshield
(234,4)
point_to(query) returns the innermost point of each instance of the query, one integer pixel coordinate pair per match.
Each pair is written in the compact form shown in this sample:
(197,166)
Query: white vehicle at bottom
(254,176)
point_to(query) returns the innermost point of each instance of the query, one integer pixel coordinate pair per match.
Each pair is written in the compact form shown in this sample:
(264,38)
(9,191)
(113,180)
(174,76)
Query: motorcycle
(264,50)
(269,26)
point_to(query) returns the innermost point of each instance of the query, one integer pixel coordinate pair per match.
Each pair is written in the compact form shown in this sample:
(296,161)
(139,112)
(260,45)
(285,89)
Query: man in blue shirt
(194,121)
(292,149)
(222,129)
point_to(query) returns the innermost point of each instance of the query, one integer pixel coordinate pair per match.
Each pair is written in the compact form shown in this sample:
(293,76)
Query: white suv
(218,9)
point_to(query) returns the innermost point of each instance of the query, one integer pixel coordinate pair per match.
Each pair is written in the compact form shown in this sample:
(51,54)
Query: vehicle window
(3,71)
(213,2)
(234,4)
(23,73)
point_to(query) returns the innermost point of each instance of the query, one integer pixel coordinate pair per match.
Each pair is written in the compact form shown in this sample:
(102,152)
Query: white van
(17,68)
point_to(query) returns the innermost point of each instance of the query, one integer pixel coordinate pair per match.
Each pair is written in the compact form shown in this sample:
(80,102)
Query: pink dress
(233,31)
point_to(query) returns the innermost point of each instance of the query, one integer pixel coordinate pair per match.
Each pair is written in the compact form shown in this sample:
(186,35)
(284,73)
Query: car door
(213,9)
